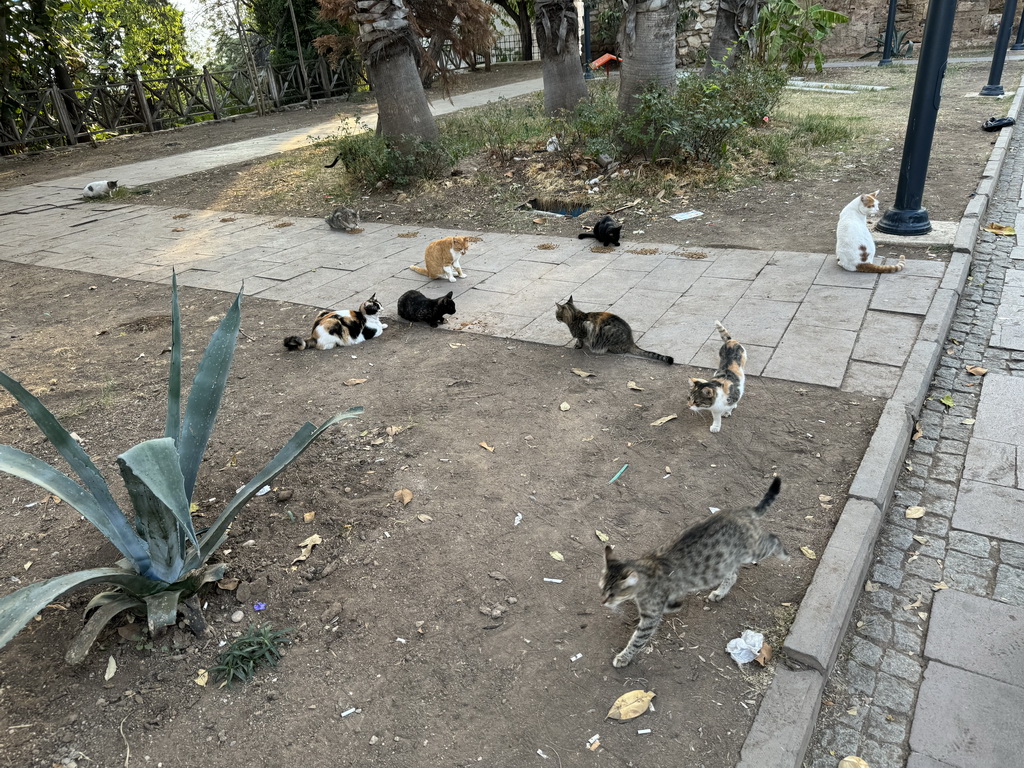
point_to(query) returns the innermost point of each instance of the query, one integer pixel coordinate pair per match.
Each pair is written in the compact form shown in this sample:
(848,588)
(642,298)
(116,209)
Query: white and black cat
(414,306)
(606,231)
(342,328)
(99,189)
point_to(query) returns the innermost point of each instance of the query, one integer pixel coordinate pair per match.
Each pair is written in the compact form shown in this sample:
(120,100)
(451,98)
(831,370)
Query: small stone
(373,740)
(511,600)
(249,543)
(284,495)
(496,613)
(237,616)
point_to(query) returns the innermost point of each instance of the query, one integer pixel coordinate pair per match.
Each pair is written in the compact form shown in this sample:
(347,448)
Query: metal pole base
(905,223)
(885,63)
(992,90)
(1017,47)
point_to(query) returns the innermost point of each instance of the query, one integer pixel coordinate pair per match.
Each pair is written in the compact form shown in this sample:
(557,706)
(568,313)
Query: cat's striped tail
(652,355)
(884,268)
(295,343)
(722,332)
(773,492)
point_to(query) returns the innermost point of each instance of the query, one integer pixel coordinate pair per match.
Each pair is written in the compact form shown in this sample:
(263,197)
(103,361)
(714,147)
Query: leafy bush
(789,34)
(165,560)
(371,160)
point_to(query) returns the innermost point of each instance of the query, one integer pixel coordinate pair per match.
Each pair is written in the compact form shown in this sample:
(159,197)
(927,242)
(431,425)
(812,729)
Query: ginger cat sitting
(442,258)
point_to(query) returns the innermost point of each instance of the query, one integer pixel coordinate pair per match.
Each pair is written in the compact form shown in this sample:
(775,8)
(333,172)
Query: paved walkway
(800,317)
(932,670)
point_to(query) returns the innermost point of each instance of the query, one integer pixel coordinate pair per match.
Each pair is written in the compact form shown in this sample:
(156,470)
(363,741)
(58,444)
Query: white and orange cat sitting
(442,258)
(855,247)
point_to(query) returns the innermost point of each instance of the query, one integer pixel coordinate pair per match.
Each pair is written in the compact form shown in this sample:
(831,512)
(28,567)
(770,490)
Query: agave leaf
(108,518)
(61,439)
(18,608)
(154,481)
(83,641)
(173,429)
(101,599)
(306,434)
(161,610)
(205,396)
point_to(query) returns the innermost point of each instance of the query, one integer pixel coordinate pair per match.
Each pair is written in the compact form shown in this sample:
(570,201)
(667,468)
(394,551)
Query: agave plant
(165,559)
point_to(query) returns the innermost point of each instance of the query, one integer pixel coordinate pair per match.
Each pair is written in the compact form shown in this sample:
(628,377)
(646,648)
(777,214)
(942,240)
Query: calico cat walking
(606,231)
(602,332)
(414,306)
(721,394)
(855,247)
(442,258)
(707,555)
(342,328)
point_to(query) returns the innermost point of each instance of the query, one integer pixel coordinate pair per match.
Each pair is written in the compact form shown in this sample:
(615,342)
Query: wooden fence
(49,117)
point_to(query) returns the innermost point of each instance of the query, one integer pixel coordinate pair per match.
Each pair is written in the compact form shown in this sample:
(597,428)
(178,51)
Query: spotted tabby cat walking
(602,332)
(707,555)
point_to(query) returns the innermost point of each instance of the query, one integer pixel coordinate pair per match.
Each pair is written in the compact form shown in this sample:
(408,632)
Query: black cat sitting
(414,306)
(606,231)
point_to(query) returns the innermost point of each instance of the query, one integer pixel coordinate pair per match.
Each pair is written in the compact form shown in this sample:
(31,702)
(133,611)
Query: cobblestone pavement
(879,703)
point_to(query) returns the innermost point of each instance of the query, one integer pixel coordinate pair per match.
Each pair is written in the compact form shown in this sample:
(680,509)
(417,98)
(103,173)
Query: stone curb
(826,608)
(785,721)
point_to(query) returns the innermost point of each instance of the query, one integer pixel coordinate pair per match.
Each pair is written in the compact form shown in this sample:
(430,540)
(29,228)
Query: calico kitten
(855,247)
(343,219)
(99,189)
(606,231)
(721,394)
(414,306)
(707,555)
(602,332)
(442,258)
(342,328)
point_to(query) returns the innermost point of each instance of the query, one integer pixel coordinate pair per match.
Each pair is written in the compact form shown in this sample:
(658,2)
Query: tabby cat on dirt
(442,258)
(342,328)
(722,392)
(855,247)
(706,555)
(602,332)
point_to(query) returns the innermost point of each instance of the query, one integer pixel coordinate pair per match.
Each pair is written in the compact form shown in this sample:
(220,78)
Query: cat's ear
(569,300)
(698,381)
(608,549)
(875,193)
(449,294)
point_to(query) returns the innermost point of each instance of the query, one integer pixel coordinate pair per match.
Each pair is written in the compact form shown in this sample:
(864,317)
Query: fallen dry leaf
(1000,229)
(601,535)
(307,547)
(764,655)
(809,553)
(633,385)
(228,584)
(870,586)
(392,431)
(823,497)
(486,447)
(581,373)
(202,678)
(939,585)
(557,556)
(947,400)
(630,705)
(916,604)
(178,229)
(917,431)
(355,382)
(111,668)
(915,512)
(968,422)
(853,762)
(664,419)
(976,370)
(455,344)
(424,518)
(404,495)
(921,539)
(308,517)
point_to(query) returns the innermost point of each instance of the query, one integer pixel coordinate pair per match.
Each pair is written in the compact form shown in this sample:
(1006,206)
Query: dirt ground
(491,678)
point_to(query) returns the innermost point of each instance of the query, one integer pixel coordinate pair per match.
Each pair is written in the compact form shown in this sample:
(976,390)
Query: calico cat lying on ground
(342,328)
(602,332)
(707,555)
(414,306)
(721,394)
(606,231)
(855,247)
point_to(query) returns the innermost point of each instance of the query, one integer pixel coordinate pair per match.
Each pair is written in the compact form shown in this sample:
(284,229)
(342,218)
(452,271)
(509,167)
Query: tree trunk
(647,45)
(733,19)
(520,14)
(401,102)
(559,40)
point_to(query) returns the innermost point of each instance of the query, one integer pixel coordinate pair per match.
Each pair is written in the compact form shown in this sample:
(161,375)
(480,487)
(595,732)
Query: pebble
(237,616)
(374,740)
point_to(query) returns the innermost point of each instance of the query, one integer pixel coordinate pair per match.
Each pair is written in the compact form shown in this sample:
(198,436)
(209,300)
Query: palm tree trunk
(647,42)
(558,37)
(733,19)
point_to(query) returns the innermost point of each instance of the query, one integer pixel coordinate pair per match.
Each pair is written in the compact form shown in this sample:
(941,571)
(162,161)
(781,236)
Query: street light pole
(907,217)
(890,33)
(588,73)
(994,87)
(1018,44)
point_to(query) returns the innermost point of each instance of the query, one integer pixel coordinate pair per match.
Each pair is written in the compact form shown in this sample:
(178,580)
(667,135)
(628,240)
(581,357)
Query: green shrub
(500,128)
(370,160)
(165,561)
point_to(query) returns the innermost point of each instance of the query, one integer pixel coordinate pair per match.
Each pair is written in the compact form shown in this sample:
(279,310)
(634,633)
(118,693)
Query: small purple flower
(259,606)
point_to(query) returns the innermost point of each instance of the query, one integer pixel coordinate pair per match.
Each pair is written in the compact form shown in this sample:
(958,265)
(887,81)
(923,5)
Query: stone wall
(974,26)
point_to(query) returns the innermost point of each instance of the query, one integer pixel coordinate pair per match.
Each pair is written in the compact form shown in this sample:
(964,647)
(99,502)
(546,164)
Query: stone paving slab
(967,720)
(990,510)
(977,635)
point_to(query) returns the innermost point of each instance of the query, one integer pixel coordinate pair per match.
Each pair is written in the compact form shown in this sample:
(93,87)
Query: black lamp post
(995,75)
(1018,44)
(907,217)
(890,33)
(588,73)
